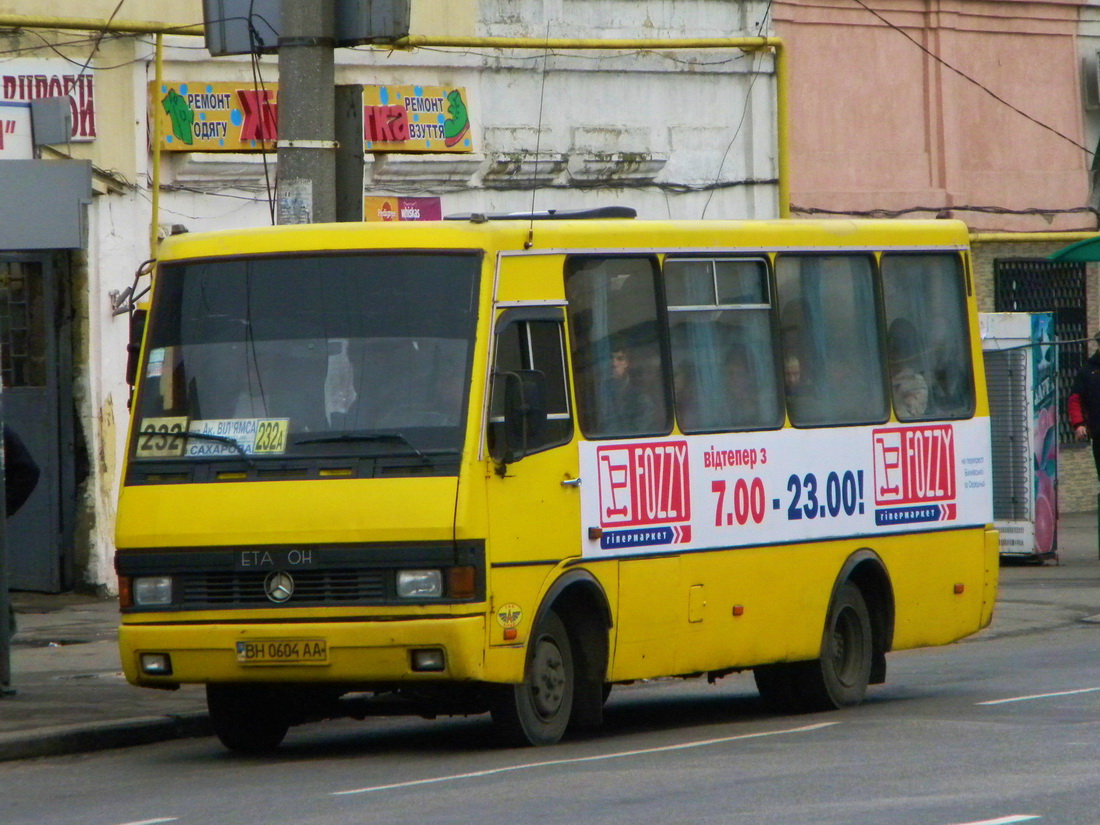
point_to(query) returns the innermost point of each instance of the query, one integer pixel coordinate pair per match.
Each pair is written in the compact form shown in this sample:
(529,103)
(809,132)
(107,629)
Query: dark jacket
(20,472)
(1083,404)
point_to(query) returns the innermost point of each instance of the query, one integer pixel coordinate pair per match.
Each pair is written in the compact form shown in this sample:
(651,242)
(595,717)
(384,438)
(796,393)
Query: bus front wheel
(247,719)
(840,677)
(537,711)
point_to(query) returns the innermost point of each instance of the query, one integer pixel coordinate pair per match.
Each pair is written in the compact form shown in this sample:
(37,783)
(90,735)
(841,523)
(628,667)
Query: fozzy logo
(644,484)
(914,464)
(915,475)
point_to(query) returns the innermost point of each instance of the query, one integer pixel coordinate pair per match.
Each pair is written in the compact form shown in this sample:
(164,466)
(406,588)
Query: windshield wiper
(362,438)
(221,439)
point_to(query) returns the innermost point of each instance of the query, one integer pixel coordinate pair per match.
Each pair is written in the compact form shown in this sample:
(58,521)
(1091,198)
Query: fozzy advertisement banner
(682,493)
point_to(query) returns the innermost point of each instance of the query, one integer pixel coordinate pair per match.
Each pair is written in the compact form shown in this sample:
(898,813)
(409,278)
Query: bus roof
(613,234)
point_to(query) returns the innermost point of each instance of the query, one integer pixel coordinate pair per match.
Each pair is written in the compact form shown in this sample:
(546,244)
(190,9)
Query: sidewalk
(70,695)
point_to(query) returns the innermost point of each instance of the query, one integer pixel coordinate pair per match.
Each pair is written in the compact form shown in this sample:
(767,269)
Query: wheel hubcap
(547,678)
(847,643)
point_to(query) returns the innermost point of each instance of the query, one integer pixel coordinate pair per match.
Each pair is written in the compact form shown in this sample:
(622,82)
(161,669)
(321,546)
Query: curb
(93,736)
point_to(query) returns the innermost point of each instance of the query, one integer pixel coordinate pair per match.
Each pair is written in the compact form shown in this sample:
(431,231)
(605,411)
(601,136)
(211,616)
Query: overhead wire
(257,43)
(99,39)
(744,112)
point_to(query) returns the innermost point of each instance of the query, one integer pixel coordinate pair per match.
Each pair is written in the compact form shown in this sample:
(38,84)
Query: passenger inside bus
(628,408)
(910,387)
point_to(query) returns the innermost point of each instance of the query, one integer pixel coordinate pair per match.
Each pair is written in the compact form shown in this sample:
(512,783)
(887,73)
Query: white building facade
(685,133)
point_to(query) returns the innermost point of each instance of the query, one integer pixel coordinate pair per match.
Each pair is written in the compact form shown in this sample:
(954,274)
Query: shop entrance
(36,369)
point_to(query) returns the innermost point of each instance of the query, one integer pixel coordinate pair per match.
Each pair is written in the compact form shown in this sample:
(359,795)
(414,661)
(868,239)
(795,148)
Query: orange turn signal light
(125,592)
(461,582)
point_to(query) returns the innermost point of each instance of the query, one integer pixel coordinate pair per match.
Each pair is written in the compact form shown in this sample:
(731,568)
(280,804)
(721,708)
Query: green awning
(1082,251)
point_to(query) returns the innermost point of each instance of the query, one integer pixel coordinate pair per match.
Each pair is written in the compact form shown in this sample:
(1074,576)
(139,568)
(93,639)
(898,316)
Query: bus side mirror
(133,347)
(524,415)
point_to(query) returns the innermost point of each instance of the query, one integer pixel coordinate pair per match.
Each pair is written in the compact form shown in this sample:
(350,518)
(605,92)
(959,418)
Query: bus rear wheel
(247,719)
(847,651)
(840,677)
(537,711)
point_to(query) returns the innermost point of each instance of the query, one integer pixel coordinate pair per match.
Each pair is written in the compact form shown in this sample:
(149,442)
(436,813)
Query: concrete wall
(881,125)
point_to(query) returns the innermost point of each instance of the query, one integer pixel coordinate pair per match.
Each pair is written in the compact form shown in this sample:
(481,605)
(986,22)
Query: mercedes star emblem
(279,586)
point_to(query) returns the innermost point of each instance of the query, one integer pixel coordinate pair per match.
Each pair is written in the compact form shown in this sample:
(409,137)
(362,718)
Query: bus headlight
(419,584)
(150,591)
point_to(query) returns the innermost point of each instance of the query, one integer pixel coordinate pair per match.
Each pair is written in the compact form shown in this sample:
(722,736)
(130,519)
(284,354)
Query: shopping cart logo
(915,465)
(644,484)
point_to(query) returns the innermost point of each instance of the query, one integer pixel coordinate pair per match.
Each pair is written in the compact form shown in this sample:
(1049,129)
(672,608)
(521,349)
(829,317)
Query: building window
(22,325)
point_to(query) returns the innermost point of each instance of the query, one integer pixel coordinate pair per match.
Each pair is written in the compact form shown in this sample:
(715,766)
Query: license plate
(283,652)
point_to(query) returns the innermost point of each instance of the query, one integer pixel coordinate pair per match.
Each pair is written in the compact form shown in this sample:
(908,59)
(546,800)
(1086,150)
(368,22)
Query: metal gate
(33,365)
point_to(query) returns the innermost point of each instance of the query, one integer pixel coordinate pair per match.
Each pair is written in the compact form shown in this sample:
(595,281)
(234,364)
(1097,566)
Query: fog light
(152,591)
(428,660)
(419,584)
(156,664)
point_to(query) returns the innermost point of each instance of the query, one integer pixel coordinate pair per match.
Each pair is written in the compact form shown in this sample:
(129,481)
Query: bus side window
(928,335)
(723,356)
(524,342)
(829,329)
(619,363)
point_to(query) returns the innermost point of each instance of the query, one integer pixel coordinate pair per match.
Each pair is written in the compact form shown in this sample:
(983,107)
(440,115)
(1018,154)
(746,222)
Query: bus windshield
(308,355)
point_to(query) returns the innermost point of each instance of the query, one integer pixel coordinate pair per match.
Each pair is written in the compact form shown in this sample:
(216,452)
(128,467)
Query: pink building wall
(878,124)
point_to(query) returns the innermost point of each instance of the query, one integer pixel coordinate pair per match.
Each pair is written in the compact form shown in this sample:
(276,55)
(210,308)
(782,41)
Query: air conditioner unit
(246,26)
(1020,365)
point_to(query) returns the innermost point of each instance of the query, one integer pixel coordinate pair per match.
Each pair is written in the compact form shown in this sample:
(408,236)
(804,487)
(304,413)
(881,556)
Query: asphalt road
(999,730)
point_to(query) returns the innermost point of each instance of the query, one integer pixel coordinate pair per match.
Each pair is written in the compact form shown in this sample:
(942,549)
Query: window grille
(1039,285)
(22,327)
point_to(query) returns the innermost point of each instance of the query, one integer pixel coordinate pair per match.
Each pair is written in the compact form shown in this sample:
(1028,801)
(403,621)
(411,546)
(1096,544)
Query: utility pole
(307,112)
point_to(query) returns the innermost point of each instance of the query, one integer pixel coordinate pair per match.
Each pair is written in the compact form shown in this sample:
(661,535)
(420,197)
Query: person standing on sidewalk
(1083,404)
(20,479)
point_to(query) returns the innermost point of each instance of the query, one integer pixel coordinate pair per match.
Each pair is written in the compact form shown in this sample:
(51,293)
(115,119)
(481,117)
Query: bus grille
(310,587)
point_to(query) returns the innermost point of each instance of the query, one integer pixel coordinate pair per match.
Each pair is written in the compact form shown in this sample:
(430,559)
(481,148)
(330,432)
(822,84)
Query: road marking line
(1039,696)
(1005,820)
(580,759)
(153,821)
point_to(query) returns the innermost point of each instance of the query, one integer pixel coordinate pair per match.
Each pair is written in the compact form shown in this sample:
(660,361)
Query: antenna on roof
(538,141)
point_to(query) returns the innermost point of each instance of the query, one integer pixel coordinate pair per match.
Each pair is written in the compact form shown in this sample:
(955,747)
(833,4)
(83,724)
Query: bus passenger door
(533,501)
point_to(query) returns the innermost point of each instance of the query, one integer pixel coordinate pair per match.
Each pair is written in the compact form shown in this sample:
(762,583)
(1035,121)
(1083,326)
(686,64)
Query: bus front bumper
(346,652)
